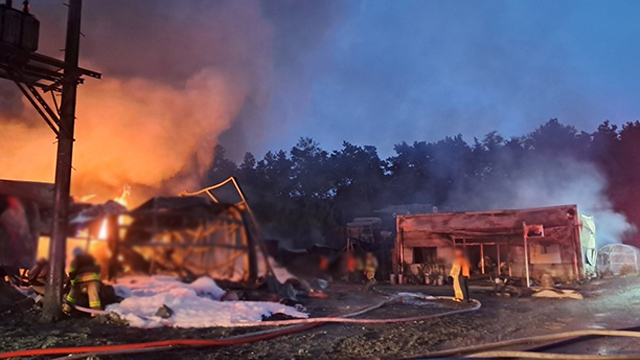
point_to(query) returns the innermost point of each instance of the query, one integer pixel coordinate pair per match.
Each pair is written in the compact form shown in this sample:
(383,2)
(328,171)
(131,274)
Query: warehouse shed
(495,241)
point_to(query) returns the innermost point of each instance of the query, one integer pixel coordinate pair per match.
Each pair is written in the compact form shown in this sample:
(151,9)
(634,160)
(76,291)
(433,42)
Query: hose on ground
(551,356)
(527,340)
(238,340)
(476,306)
(333,319)
(169,344)
(91,311)
(278,331)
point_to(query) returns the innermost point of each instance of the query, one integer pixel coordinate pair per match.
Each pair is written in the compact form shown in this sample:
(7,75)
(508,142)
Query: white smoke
(551,182)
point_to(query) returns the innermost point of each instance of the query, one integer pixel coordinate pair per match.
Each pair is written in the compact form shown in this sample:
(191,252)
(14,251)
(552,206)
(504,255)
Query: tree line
(306,194)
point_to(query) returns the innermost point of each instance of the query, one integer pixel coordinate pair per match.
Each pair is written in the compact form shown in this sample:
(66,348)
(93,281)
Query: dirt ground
(611,303)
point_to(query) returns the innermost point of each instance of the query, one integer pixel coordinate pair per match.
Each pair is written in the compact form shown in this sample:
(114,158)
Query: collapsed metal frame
(212,247)
(253,226)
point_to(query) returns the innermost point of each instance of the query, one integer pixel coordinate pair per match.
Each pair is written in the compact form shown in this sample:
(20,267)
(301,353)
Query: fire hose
(482,350)
(335,319)
(294,327)
(91,311)
(272,333)
(476,306)
(534,355)
(477,351)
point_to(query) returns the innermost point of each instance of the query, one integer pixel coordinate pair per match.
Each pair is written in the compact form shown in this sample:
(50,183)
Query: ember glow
(102,235)
(123,200)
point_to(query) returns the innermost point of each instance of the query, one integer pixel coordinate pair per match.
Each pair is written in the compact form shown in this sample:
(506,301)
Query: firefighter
(84,273)
(370,267)
(460,269)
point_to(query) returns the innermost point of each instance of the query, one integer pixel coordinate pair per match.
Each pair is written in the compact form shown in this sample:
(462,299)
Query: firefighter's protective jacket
(460,267)
(84,268)
(370,267)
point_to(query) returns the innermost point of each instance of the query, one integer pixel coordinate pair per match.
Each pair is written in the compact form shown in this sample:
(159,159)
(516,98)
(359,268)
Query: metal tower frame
(36,74)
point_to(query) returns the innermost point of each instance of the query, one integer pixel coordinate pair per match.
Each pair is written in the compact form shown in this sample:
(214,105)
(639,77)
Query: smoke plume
(176,76)
(134,132)
(550,181)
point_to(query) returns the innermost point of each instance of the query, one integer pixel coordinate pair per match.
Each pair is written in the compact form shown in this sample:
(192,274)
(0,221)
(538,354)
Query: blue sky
(376,71)
(391,71)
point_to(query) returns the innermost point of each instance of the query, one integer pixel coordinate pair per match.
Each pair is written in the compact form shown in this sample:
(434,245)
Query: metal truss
(35,74)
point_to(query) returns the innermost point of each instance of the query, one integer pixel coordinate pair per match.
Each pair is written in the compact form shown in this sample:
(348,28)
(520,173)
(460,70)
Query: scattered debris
(194,305)
(556,293)
(230,296)
(164,312)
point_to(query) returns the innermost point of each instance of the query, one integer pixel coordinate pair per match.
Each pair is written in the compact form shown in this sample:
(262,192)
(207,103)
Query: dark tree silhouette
(304,194)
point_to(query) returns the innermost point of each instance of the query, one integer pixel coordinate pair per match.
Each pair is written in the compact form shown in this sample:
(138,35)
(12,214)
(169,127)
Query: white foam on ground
(415,295)
(194,305)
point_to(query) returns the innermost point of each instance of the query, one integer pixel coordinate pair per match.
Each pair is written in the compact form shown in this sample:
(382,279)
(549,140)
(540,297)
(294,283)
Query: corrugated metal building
(554,249)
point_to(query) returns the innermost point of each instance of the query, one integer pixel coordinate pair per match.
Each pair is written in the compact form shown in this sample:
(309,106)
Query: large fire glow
(123,200)
(154,119)
(134,132)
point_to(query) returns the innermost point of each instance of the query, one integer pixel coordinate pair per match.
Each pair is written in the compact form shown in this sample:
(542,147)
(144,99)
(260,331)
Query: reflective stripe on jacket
(84,268)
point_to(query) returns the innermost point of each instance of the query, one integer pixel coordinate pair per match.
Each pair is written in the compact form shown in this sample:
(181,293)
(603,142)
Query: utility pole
(57,246)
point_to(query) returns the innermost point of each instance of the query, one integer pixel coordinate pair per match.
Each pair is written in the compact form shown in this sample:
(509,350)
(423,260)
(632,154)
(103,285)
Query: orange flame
(103,230)
(122,200)
(124,196)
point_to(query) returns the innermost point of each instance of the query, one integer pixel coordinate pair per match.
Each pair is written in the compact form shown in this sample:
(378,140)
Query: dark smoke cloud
(171,41)
(364,71)
(176,76)
(301,29)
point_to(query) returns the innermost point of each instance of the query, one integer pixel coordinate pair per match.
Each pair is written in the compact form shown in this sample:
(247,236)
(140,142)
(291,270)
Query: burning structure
(525,243)
(188,235)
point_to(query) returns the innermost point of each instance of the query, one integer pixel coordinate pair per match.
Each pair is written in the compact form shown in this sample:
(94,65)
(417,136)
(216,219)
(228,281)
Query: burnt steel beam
(39,68)
(44,104)
(43,59)
(51,122)
(34,96)
(42,74)
(90,73)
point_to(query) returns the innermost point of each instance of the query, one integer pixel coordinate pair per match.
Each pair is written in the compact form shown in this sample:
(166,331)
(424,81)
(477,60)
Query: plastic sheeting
(588,242)
(618,259)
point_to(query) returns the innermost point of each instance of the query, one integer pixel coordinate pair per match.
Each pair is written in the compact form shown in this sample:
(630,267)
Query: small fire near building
(524,243)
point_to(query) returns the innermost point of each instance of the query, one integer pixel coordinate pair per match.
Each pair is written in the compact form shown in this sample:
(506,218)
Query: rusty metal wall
(442,230)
